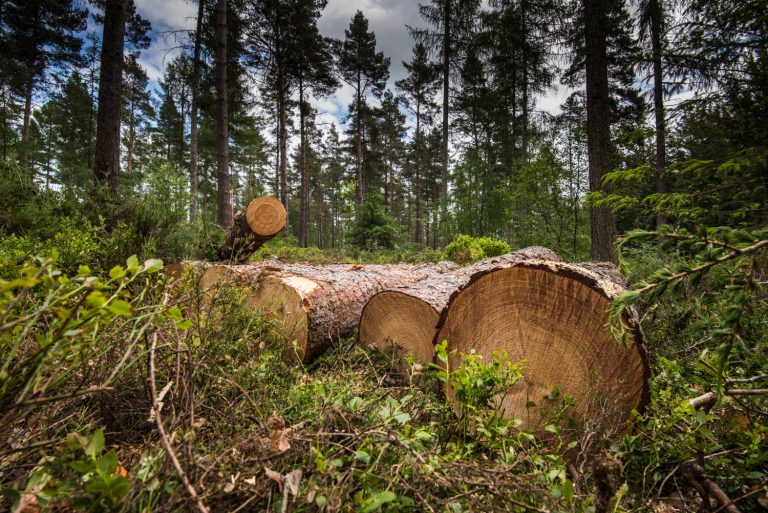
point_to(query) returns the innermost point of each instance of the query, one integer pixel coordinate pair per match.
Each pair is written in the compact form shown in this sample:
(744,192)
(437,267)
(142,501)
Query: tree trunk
(359,146)
(304,203)
(314,305)
(224,206)
(407,316)
(446,104)
(193,113)
(282,139)
(553,317)
(28,87)
(106,170)
(417,185)
(598,127)
(658,105)
(262,219)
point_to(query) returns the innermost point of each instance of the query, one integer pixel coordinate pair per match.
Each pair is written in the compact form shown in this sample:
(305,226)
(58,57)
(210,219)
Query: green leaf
(363,456)
(107,464)
(153,265)
(377,500)
(95,444)
(132,262)
(117,272)
(120,307)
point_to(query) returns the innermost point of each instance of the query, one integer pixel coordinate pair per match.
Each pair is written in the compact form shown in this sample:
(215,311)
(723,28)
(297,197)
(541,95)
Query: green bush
(465,249)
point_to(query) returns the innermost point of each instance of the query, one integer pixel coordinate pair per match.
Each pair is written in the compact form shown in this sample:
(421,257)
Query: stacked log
(553,317)
(262,219)
(313,305)
(407,316)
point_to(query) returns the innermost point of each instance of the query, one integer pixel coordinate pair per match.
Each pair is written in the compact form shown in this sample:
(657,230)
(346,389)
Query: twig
(161,429)
(746,391)
(714,489)
(703,267)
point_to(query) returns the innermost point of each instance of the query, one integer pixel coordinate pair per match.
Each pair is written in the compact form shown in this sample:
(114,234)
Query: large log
(407,316)
(262,219)
(314,305)
(553,317)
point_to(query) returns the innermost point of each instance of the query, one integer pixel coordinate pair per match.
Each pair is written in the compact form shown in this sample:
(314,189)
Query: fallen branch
(161,429)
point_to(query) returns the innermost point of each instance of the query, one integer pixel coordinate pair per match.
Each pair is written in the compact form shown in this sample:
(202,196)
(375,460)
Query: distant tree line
(459,145)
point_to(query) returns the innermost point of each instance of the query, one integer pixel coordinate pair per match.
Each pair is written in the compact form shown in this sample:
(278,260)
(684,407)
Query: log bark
(262,219)
(314,305)
(553,317)
(407,316)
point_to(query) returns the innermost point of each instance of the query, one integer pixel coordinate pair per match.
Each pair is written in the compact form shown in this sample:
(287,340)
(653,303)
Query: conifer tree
(419,90)
(40,36)
(364,69)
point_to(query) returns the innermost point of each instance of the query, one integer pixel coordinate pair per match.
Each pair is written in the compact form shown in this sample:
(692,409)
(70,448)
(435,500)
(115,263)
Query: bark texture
(314,305)
(598,126)
(224,206)
(262,219)
(107,163)
(553,317)
(407,316)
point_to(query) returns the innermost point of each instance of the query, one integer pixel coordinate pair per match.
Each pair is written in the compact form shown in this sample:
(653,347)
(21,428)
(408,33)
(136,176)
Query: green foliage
(373,228)
(735,250)
(465,249)
(82,476)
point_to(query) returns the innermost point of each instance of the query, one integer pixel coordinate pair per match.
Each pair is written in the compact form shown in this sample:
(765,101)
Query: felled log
(553,317)
(313,305)
(262,219)
(407,316)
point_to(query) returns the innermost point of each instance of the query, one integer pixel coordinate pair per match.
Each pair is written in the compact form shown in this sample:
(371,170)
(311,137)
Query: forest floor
(351,432)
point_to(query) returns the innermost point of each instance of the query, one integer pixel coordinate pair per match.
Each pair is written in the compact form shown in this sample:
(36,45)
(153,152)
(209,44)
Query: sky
(387,19)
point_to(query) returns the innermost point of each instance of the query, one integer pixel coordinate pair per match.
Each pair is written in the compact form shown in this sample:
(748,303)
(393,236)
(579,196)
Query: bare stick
(161,429)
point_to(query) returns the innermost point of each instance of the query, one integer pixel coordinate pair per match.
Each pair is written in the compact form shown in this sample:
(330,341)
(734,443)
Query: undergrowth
(350,432)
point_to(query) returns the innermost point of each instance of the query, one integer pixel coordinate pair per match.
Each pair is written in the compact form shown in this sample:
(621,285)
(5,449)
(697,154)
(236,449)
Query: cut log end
(283,300)
(393,318)
(552,317)
(262,219)
(265,216)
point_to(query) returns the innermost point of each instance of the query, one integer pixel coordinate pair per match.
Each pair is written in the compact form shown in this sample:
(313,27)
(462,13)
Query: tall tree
(271,46)
(40,36)
(419,89)
(120,19)
(598,125)
(652,27)
(195,86)
(224,196)
(137,106)
(312,68)
(452,21)
(363,68)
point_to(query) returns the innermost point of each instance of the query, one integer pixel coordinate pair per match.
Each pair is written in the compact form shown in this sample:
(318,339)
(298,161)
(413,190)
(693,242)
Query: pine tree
(452,21)
(312,68)
(598,125)
(121,22)
(193,112)
(419,90)
(364,69)
(224,196)
(137,108)
(40,36)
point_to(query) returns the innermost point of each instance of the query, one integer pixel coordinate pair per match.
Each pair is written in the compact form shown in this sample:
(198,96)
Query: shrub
(465,249)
